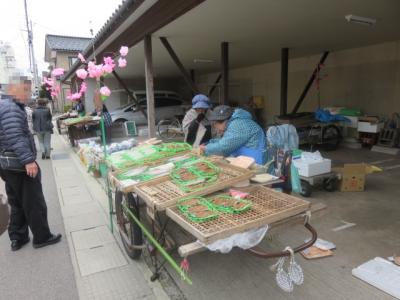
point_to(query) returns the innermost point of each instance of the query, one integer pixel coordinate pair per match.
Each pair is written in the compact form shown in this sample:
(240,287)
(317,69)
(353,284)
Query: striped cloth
(107,119)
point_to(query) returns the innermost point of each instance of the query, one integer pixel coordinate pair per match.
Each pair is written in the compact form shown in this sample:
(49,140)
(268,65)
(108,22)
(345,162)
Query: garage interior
(361,71)
(362,67)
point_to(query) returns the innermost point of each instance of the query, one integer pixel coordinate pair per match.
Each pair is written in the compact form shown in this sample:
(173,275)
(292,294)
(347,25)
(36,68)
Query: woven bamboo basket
(268,206)
(162,192)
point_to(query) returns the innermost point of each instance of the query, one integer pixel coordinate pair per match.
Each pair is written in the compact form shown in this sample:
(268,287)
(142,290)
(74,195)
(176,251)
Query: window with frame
(72,60)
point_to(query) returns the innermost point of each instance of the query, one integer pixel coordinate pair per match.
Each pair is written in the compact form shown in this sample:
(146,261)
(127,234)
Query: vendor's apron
(258,154)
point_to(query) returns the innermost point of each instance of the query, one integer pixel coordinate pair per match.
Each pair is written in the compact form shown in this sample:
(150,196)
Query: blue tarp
(325,116)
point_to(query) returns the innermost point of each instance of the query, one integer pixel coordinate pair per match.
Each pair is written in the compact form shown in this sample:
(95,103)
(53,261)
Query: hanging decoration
(93,70)
(105,93)
(57,72)
(82,74)
(81,58)
(96,71)
(51,84)
(122,62)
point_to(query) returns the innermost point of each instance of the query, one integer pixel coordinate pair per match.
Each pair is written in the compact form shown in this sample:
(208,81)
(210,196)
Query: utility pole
(32,61)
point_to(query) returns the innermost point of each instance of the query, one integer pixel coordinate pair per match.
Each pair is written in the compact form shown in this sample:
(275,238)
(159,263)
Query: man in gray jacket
(23,188)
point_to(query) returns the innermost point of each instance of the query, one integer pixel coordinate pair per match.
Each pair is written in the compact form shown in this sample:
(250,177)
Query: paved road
(45,273)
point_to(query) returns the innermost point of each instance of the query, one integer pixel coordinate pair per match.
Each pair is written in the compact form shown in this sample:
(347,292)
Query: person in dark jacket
(80,108)
(23,188)
(103,111)
(42,125)
(196,127)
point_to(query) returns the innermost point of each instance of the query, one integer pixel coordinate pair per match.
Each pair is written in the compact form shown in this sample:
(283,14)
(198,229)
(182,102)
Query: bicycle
(170,128)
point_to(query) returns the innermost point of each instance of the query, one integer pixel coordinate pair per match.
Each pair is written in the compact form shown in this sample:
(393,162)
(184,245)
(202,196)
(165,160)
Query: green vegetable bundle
(229,204)
(196,209)
(198,172)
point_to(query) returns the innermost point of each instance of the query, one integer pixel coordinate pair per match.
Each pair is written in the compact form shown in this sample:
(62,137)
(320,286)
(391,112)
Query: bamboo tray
(115,182)
(268,206)
(162,192)
(151,163)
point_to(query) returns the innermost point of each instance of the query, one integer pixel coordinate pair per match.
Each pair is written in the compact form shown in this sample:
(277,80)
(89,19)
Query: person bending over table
(239,134)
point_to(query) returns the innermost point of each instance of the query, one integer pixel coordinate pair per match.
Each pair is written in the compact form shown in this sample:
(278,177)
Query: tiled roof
(67,43)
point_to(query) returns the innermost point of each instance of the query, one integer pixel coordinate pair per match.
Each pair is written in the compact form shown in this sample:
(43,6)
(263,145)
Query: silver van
(167,105)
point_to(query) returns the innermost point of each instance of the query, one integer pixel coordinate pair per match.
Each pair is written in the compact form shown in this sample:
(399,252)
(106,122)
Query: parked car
(167,105)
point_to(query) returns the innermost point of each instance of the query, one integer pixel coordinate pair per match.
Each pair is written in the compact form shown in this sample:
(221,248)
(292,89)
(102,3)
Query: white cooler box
(308,169)
(370,127)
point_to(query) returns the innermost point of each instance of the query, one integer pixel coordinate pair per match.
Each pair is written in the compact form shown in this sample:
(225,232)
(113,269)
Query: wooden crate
(162,192)
(269,206)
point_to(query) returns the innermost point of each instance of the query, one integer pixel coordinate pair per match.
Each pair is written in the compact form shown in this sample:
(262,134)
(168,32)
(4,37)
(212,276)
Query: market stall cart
(81,128)
(148,208)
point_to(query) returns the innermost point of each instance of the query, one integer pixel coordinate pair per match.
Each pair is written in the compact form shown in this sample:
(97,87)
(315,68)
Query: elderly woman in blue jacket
(240,135)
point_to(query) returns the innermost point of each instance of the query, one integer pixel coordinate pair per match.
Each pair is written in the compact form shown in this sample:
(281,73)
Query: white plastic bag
(244,240)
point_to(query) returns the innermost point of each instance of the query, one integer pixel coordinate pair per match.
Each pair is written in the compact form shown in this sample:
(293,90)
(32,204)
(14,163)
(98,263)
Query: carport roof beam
(216,82)
(284,80)
(130,94)
(148,63)
(179,64)
(309,83)
(225,72)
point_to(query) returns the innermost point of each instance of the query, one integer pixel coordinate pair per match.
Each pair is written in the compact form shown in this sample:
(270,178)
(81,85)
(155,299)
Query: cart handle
(260,253)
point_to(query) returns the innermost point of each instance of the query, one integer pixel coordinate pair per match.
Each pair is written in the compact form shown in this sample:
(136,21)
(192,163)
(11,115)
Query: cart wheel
(306,188)
(329,184)
(331,137)
(131,234)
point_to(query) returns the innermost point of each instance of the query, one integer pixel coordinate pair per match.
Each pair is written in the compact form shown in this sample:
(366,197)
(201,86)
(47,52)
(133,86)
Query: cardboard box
(352,177)
(371,119)
(369,127)
(308,169)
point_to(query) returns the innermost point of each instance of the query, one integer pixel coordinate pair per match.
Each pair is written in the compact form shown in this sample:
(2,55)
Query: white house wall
(367,78)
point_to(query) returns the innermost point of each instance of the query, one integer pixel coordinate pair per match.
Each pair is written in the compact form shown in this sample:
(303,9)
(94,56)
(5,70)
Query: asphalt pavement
(45,273)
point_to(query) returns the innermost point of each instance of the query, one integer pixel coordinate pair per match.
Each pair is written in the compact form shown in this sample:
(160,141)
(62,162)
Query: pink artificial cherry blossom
(83,88)
(122,62)
(76,96)
(57,72)
(55,90)
(82,59)
(108,60)
(95,71)
(124,51)
(82,74)
(108,68)
(105,91)
(109,64)
(48,81)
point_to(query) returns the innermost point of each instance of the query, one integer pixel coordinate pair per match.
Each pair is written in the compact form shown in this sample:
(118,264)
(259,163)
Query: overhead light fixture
(202,60)
(360,20)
